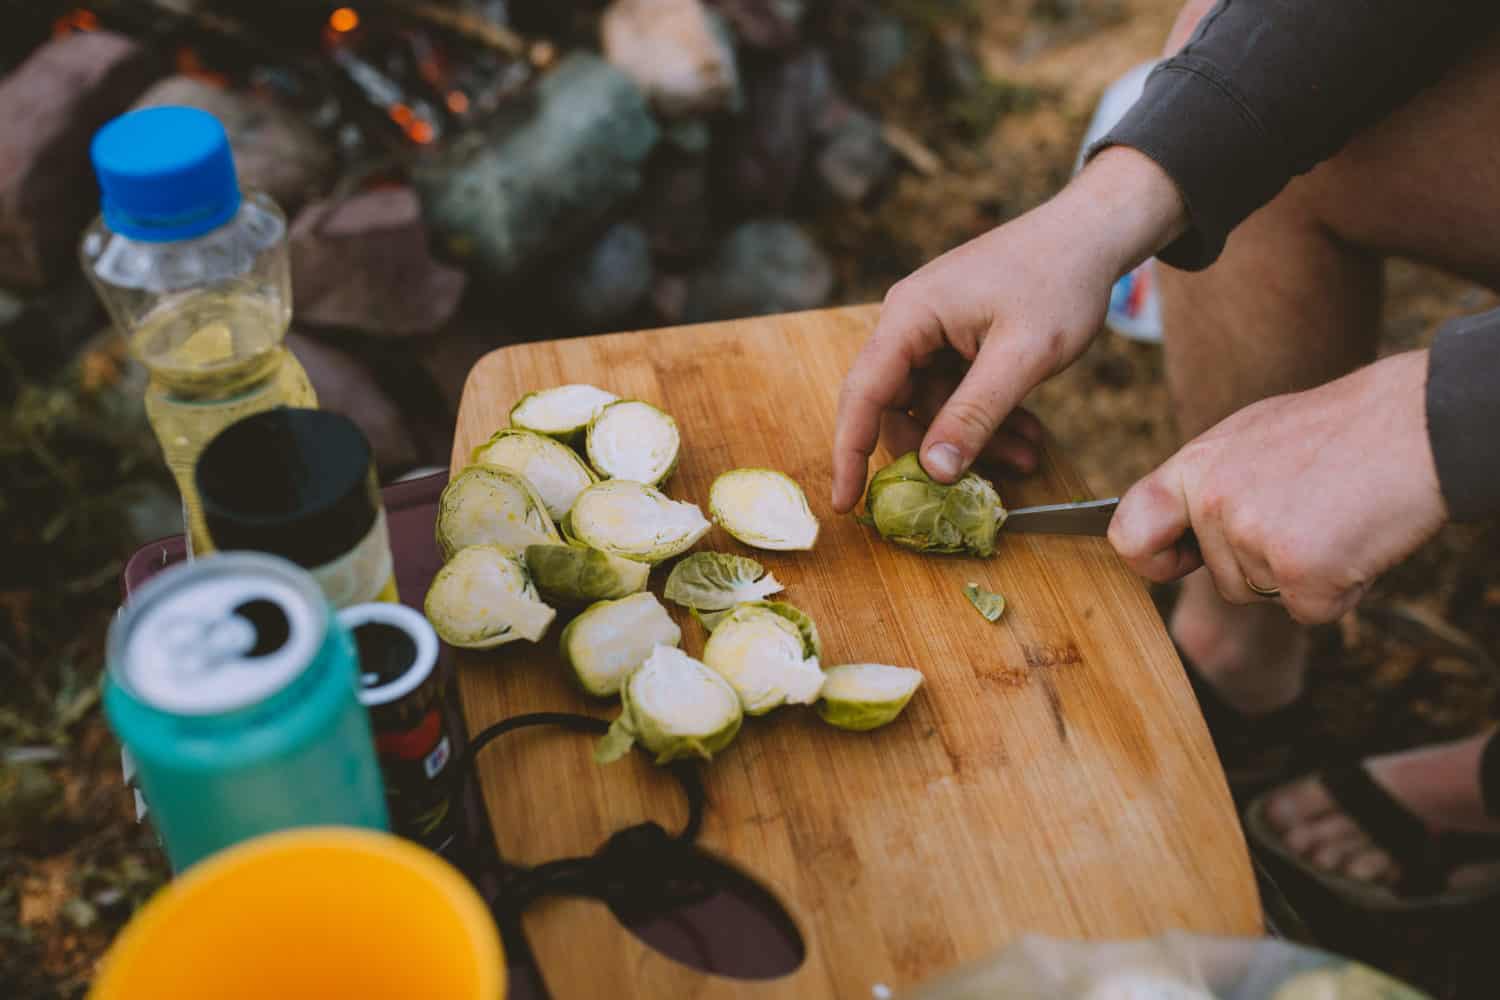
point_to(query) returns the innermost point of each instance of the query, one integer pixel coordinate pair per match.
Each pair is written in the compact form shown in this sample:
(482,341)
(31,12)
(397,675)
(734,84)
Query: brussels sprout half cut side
(861,696)
(633,440)
(911,509)
(563,412)
(611,639)
(763,656)
(763,508)
(554,470)
(715,581)
(573,574)
(483,597)
(487,505)
(635,521)
(675,707)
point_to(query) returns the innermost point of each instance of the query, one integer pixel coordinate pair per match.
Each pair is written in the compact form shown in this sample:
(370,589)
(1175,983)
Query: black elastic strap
(639,868)
(1390,826)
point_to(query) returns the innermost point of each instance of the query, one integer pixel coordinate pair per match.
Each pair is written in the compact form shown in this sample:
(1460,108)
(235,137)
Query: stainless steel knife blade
(1091,517)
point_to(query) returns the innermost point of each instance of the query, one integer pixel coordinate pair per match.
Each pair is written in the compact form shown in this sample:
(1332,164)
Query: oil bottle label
(362,574)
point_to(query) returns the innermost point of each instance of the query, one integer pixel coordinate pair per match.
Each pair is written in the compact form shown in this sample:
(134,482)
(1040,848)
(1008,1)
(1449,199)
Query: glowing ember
(402,115)
(343,20)
(77,20)
(420,132)
(458,102)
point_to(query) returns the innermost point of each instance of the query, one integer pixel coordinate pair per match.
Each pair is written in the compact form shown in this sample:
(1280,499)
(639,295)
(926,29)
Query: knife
(1088,517)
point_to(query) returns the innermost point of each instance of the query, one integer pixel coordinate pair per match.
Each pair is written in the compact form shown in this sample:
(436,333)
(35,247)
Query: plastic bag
(1175,966)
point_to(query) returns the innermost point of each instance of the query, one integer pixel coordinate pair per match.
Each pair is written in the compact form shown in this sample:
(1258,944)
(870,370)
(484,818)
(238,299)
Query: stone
(880,43)
(56,100)
(344,385)
(673,51)
(363,264)
(275,151)
(605,283)
(764,266)
(675,208)
(549,176)
(766,153)
(765,24)
(854,157)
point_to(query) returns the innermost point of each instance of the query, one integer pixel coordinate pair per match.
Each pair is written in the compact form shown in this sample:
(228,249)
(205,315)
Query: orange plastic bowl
(317,912)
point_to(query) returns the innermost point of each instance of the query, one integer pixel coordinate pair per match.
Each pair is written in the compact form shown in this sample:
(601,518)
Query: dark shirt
(1267,89)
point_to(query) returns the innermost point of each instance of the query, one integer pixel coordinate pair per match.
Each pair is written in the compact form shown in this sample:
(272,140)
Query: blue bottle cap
(165,174)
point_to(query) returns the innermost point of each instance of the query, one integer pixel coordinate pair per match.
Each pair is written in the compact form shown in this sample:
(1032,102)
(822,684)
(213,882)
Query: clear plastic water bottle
(195,274)
(1134,302)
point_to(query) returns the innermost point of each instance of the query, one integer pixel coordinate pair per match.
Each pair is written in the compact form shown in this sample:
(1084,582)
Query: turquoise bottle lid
(165,174)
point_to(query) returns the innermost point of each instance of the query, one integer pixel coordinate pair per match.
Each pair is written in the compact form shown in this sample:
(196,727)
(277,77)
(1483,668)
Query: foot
(1254,656)
(1438,784)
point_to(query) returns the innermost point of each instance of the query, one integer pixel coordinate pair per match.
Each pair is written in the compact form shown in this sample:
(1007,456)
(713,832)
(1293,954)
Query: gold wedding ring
(1263,591)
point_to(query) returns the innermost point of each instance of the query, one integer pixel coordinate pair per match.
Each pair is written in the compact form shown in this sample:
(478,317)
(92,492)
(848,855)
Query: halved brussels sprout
(636,521)
(911,509)
(716,581)
(764,657)
(763,508)
(562,412)
(675,707)
(609,640)
(483,597)
(862,696)
(812,643)
(633,440)
(488,505)
(986,602)
(554,470)
(576,574)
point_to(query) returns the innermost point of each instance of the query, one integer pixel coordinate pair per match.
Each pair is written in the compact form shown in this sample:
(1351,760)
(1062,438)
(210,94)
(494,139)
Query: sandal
(1426,859)
(1256,751)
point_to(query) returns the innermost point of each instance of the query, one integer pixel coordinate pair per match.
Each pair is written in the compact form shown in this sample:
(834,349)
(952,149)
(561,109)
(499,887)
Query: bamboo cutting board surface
(1052,775)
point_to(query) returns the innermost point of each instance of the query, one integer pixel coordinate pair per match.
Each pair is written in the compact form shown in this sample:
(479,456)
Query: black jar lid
(296,483)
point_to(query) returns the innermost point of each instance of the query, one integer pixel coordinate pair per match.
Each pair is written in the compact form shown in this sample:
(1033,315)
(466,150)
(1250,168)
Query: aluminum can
(234,690)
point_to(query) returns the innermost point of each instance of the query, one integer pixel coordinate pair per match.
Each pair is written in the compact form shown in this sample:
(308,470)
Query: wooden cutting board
(1052,775)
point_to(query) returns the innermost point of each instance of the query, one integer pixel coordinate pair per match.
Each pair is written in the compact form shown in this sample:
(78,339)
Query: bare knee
(1187,22)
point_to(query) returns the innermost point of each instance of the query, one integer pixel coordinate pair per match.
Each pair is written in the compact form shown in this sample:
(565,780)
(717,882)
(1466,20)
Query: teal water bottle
(234,688)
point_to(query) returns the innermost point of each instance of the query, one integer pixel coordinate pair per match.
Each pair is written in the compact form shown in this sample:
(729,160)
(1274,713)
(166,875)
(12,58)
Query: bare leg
(1294,302)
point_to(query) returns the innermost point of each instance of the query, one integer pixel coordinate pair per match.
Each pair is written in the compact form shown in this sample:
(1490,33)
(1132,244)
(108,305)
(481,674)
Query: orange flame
(420,132)
(75,20)
(344,20)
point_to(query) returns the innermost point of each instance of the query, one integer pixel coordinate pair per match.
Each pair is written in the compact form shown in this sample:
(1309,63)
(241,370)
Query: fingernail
(943,461)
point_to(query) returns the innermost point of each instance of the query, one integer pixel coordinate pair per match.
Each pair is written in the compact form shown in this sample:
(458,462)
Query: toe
(1372,865)
(1312,835)
(1296,804)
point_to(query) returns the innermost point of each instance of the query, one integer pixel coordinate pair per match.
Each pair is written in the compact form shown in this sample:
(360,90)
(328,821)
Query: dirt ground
(1416,663)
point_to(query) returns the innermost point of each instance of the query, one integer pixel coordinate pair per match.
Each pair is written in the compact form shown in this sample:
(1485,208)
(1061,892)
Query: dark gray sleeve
(1267,89)
(1463,415)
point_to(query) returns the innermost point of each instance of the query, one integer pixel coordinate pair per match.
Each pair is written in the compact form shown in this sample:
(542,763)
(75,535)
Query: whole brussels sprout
(910,508)
(675,707)
(576,574)
(554,470)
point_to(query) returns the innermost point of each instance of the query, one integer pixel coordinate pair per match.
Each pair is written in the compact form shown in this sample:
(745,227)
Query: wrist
(1401,391)
(1130,206)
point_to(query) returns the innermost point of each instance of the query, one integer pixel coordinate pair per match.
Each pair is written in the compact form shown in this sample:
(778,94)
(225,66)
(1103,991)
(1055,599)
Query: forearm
(1126,205)
(1266,89)
(1463,415)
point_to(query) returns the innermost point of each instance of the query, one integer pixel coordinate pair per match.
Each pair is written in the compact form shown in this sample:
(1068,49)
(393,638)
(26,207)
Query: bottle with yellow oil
(194,272)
